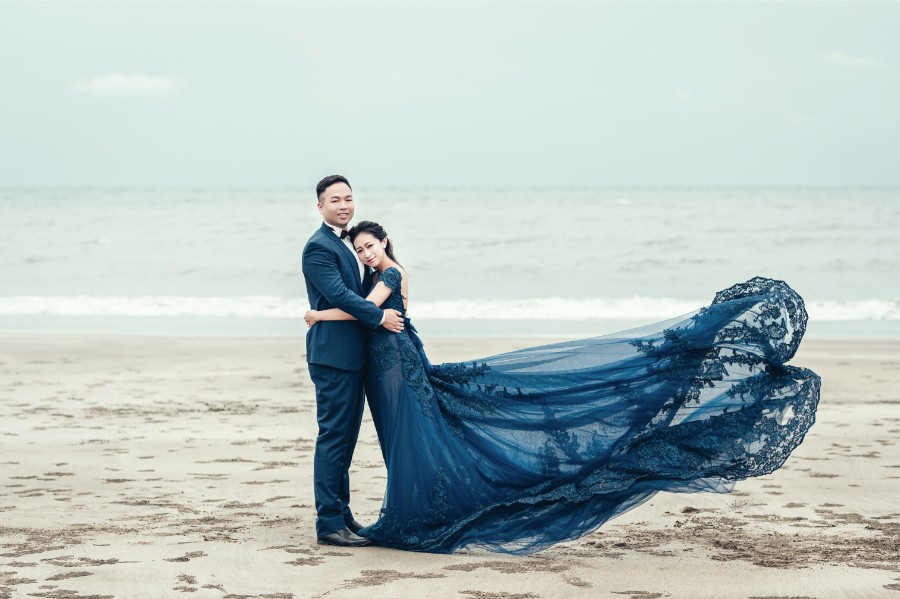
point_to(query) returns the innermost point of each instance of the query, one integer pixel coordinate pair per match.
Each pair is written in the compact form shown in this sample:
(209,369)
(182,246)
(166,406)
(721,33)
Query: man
(336,355)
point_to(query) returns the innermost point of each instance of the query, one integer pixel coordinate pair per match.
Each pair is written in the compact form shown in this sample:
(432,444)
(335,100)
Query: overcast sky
(427,93)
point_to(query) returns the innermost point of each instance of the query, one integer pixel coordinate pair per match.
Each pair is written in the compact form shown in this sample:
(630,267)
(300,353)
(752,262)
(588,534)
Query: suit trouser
(339,410)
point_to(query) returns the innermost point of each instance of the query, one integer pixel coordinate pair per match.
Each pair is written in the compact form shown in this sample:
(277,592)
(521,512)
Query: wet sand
(164,466)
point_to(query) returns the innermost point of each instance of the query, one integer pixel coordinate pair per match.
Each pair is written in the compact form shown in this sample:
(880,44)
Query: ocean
(545,262)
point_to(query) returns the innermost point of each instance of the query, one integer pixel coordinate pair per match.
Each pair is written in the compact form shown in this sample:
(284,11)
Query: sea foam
(551,308)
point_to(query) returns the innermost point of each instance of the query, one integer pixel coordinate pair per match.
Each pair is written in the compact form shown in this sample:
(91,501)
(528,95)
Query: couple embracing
(516,452)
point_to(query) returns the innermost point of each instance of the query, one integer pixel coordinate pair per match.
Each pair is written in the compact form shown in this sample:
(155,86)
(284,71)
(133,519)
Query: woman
(519,451)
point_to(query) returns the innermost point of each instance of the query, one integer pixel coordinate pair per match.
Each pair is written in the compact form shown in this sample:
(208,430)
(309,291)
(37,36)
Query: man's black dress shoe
(355,526)
(343,538)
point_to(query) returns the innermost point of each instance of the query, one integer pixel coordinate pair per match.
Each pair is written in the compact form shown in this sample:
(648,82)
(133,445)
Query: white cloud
(134,84)
(839,59)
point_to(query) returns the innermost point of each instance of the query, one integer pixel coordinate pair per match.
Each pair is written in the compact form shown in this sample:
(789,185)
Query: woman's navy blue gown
(519,451)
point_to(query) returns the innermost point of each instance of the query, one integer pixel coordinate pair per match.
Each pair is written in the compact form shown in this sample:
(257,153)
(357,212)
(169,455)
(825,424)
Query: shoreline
(252,327)
(150,465)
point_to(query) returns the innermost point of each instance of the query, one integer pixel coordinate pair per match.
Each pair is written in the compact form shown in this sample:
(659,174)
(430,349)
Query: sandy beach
(154,466)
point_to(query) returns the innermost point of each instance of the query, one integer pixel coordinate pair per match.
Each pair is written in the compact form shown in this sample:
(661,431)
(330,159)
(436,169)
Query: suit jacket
(332,281)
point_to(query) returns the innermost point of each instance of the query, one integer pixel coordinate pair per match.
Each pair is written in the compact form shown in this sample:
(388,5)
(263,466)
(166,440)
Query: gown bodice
(393,279)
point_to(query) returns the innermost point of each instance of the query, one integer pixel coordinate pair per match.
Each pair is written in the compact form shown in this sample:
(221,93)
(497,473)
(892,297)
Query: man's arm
(377,296)
(321,268)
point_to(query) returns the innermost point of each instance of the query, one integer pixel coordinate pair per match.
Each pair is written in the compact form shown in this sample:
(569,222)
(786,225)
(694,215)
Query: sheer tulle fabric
(519,451)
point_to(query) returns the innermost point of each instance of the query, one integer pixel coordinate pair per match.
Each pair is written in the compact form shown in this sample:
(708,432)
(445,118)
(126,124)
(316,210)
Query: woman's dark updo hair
(376,231)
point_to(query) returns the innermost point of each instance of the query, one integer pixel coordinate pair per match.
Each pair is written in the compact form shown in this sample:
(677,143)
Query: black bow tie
(344,234)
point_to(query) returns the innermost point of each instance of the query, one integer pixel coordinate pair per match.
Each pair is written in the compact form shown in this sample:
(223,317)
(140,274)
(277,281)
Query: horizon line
(548,186)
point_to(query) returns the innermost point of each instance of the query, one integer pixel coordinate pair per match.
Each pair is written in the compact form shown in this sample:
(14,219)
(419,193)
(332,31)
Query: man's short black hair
(328,182)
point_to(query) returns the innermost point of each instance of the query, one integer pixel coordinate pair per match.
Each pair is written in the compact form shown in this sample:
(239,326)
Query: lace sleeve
(392,278)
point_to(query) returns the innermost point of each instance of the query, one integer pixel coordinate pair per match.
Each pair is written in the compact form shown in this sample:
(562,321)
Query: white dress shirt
(346,241)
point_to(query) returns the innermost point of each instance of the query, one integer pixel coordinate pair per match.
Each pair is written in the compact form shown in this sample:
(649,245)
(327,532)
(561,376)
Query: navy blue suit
(336,355)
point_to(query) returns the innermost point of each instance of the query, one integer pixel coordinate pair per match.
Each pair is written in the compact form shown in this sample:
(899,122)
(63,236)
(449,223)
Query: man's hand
(393,321)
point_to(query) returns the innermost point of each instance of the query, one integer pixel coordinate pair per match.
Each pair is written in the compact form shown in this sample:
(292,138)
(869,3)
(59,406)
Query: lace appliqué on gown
(392,350)
(519,451)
